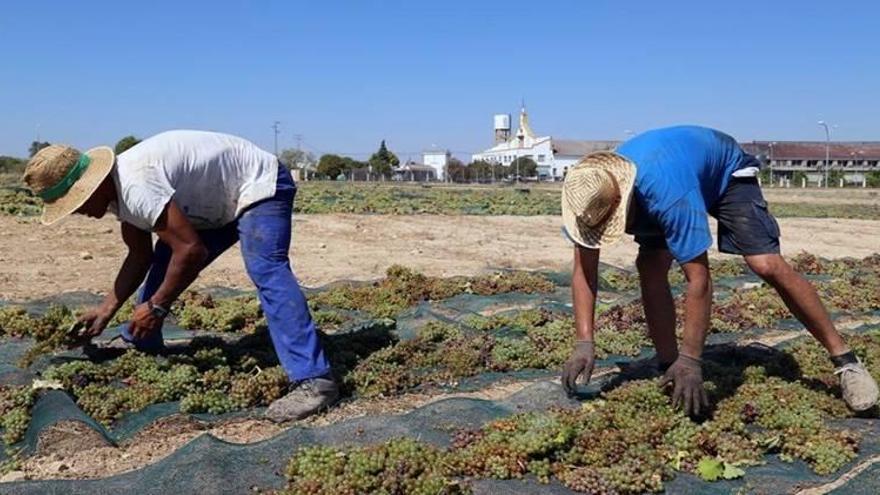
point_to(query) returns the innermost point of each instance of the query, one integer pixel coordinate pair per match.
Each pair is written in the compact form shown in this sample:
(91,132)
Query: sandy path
(84,254)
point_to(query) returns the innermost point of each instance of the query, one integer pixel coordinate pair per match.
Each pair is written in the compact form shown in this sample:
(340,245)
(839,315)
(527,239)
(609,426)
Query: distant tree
(500,171)
(456,171)
(873,179)
(382,161)
(36,146)
(524,166)
(352,164)
(294,158)
(480,171)
(834,177)
(12,165)
(125,143)
(331,165)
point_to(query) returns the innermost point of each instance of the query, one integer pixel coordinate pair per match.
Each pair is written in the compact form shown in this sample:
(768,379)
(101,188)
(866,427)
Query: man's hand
(94,321)
(144,322)
(686,376)
(580,363)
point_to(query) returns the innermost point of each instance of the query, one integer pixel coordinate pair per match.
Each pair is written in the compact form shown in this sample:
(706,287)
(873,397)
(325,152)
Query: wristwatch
(157,311)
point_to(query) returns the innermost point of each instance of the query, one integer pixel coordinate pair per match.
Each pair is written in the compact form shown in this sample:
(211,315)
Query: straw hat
(595,198)
(65,178)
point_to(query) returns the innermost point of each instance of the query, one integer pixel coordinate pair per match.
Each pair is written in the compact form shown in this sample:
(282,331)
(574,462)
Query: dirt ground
(84,254)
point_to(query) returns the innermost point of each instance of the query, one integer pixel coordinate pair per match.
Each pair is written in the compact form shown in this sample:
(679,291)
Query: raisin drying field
(449,387)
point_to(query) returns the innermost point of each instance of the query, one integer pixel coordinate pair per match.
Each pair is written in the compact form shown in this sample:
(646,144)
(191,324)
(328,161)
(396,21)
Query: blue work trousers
(264,230)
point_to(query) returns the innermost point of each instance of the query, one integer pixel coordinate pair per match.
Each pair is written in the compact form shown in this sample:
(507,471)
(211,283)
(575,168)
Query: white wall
(561,162)
(438,160)
(508,156)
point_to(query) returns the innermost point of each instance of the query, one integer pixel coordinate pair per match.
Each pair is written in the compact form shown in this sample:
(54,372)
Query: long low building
(808,156)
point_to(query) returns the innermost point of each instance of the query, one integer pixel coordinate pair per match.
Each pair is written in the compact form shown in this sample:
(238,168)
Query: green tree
(480,171)
(125,143)
(873,179)
(330,165)
(12,165)
(294,158)
(36,146)
(524,167)
(382,161)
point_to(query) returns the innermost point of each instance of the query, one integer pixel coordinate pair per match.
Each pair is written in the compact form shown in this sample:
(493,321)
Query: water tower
(502,127)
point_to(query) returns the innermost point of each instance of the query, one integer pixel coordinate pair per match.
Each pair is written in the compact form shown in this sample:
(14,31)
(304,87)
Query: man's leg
(265,231)
(216,241)
(746,227)
(800,297)
(653,266)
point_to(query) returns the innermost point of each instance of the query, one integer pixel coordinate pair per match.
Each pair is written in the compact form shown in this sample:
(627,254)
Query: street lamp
(772,144)
(827,148)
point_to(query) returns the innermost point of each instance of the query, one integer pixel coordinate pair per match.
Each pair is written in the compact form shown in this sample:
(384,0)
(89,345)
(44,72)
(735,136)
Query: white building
(437,159)
(553,156)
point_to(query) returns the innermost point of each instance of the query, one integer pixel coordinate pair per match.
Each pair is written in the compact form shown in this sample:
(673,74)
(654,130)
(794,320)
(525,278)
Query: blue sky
(345,75)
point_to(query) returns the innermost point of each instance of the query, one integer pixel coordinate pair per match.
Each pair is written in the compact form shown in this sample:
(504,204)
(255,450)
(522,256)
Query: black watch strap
(156,310)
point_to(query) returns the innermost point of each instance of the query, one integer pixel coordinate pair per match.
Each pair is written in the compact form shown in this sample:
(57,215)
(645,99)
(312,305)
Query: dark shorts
(745,226)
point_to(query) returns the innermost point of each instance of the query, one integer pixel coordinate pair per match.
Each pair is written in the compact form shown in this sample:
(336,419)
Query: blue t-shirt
(681,172)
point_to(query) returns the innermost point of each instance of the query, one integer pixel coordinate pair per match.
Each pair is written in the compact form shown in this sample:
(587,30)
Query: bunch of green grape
(396,466)
(15,406)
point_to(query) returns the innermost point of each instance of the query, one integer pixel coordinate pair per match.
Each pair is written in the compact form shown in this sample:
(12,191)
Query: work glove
(581,362)
(686,376)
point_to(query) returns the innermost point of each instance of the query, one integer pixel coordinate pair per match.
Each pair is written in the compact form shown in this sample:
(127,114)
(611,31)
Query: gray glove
(686,374)
(580,363)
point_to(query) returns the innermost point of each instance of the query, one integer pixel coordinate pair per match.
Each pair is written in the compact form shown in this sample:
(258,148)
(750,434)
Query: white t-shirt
(212,177)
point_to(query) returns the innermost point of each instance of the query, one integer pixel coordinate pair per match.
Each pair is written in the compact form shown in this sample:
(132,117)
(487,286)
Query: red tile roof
(815,150)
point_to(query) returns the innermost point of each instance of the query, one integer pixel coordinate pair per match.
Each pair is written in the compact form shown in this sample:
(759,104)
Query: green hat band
(64,185)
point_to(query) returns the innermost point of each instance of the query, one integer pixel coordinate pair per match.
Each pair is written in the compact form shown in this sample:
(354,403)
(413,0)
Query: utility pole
(827,148)
(277,130)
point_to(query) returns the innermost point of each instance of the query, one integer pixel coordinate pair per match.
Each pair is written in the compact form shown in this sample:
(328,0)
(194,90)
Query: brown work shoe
(858,386)
(305,398)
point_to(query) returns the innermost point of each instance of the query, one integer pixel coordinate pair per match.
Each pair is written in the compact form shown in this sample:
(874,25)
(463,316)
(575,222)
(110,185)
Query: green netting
(208,465)
(457,309)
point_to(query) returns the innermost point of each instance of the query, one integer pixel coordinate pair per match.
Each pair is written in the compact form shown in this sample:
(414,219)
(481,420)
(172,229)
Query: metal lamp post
(827,148)
(772,144)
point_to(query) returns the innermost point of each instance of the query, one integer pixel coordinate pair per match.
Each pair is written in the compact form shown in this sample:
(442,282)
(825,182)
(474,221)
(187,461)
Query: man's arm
(584,285)
(131,274)
(584,282)
(686,373)
(188,254)
(698,305)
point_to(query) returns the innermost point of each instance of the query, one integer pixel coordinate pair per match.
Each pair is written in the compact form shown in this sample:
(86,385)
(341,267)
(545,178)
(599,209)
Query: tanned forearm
(698,305)
(653,266)
(188,254)
(183,268)
(584,282)
(134,268)
(133,271)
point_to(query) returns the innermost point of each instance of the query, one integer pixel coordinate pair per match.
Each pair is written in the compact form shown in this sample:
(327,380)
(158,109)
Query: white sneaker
(859,389)
(304,399)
